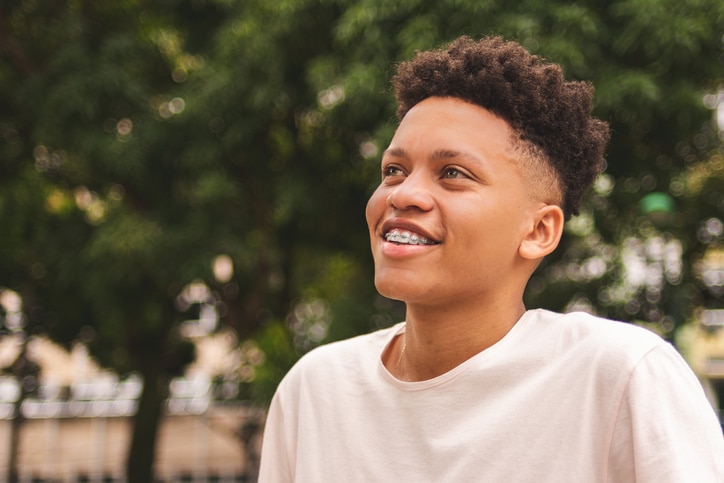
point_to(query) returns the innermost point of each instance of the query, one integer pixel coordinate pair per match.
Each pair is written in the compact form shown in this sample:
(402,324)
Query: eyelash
(451,169)
(390,170)
(449,172)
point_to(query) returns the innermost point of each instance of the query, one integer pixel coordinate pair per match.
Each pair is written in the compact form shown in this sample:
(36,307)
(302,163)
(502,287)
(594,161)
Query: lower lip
(399,250)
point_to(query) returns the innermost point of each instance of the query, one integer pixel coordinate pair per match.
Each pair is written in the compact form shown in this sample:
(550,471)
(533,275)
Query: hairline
(528,156)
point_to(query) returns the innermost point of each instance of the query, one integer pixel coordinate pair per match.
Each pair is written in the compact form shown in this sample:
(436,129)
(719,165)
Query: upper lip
(406,225)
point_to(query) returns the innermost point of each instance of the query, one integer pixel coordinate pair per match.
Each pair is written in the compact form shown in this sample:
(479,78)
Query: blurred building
(79,420)
(703,346)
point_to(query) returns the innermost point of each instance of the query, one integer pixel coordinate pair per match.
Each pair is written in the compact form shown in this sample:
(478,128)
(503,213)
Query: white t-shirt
(561,398)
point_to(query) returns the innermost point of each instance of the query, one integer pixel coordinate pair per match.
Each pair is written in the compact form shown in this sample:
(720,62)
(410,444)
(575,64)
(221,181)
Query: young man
(493,153)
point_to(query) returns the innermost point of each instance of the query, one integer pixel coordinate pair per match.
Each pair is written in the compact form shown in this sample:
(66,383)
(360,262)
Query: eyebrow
(441,154)
(437,155)
(395,153)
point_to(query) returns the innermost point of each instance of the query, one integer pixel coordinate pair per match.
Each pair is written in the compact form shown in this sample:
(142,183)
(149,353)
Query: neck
(437,340)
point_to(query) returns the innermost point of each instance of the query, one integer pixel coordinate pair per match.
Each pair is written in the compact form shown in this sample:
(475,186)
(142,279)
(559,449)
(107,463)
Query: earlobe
(545,234)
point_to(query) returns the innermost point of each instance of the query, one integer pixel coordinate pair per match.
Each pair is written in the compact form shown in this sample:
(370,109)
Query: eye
(451,172)
(391,170)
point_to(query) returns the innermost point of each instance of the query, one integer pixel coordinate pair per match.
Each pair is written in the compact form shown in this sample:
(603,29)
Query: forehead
(448,125)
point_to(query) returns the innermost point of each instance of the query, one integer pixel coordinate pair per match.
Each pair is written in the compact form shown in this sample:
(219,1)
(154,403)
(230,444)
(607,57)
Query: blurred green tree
(140,141)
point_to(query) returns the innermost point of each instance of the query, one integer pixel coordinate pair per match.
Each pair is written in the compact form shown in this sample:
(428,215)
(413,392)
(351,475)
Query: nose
(412,193)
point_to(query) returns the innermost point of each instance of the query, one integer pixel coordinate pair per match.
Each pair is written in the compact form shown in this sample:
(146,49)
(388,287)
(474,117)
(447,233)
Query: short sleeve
(666,430)
(276,465)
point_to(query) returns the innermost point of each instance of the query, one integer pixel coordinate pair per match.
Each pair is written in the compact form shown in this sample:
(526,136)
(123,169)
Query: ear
(545,234)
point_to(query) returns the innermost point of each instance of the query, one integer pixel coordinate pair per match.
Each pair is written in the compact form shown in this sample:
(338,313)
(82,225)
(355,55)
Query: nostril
(410,197)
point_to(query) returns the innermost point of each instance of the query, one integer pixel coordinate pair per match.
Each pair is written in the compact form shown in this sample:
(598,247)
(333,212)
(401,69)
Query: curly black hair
(547,112)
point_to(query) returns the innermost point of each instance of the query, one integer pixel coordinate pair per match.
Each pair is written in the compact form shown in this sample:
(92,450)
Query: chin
(399,288)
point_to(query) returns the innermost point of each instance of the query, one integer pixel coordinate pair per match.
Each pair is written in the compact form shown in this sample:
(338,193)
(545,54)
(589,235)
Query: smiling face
(453,208)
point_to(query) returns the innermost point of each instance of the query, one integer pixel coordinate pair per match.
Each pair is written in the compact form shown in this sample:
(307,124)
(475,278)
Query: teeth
(406,238)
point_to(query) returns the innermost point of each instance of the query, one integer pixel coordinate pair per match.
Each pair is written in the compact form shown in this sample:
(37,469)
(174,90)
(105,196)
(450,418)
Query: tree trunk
(22,368)
(144,433)
(15,425)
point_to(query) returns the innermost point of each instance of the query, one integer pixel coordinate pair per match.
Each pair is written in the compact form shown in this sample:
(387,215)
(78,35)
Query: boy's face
(452,209)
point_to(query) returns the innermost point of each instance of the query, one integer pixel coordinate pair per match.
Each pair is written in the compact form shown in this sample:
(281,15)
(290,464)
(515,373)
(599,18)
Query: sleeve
(277,463)
(666,430)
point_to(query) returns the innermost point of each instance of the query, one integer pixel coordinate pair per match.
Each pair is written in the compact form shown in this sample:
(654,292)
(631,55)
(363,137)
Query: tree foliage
(141,140)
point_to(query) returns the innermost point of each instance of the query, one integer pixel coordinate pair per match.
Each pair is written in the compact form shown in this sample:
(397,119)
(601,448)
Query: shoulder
(340,360)
(360,346)
(596,338)
(582,325)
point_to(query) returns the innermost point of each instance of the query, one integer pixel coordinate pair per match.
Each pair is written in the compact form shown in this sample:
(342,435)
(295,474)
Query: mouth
(405,237)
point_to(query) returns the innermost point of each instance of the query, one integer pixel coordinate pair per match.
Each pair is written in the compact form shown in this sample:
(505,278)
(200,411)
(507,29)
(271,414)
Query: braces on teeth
(405,237)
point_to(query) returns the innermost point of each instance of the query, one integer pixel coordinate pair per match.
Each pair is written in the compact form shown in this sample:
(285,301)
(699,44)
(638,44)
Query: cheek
(375,208)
